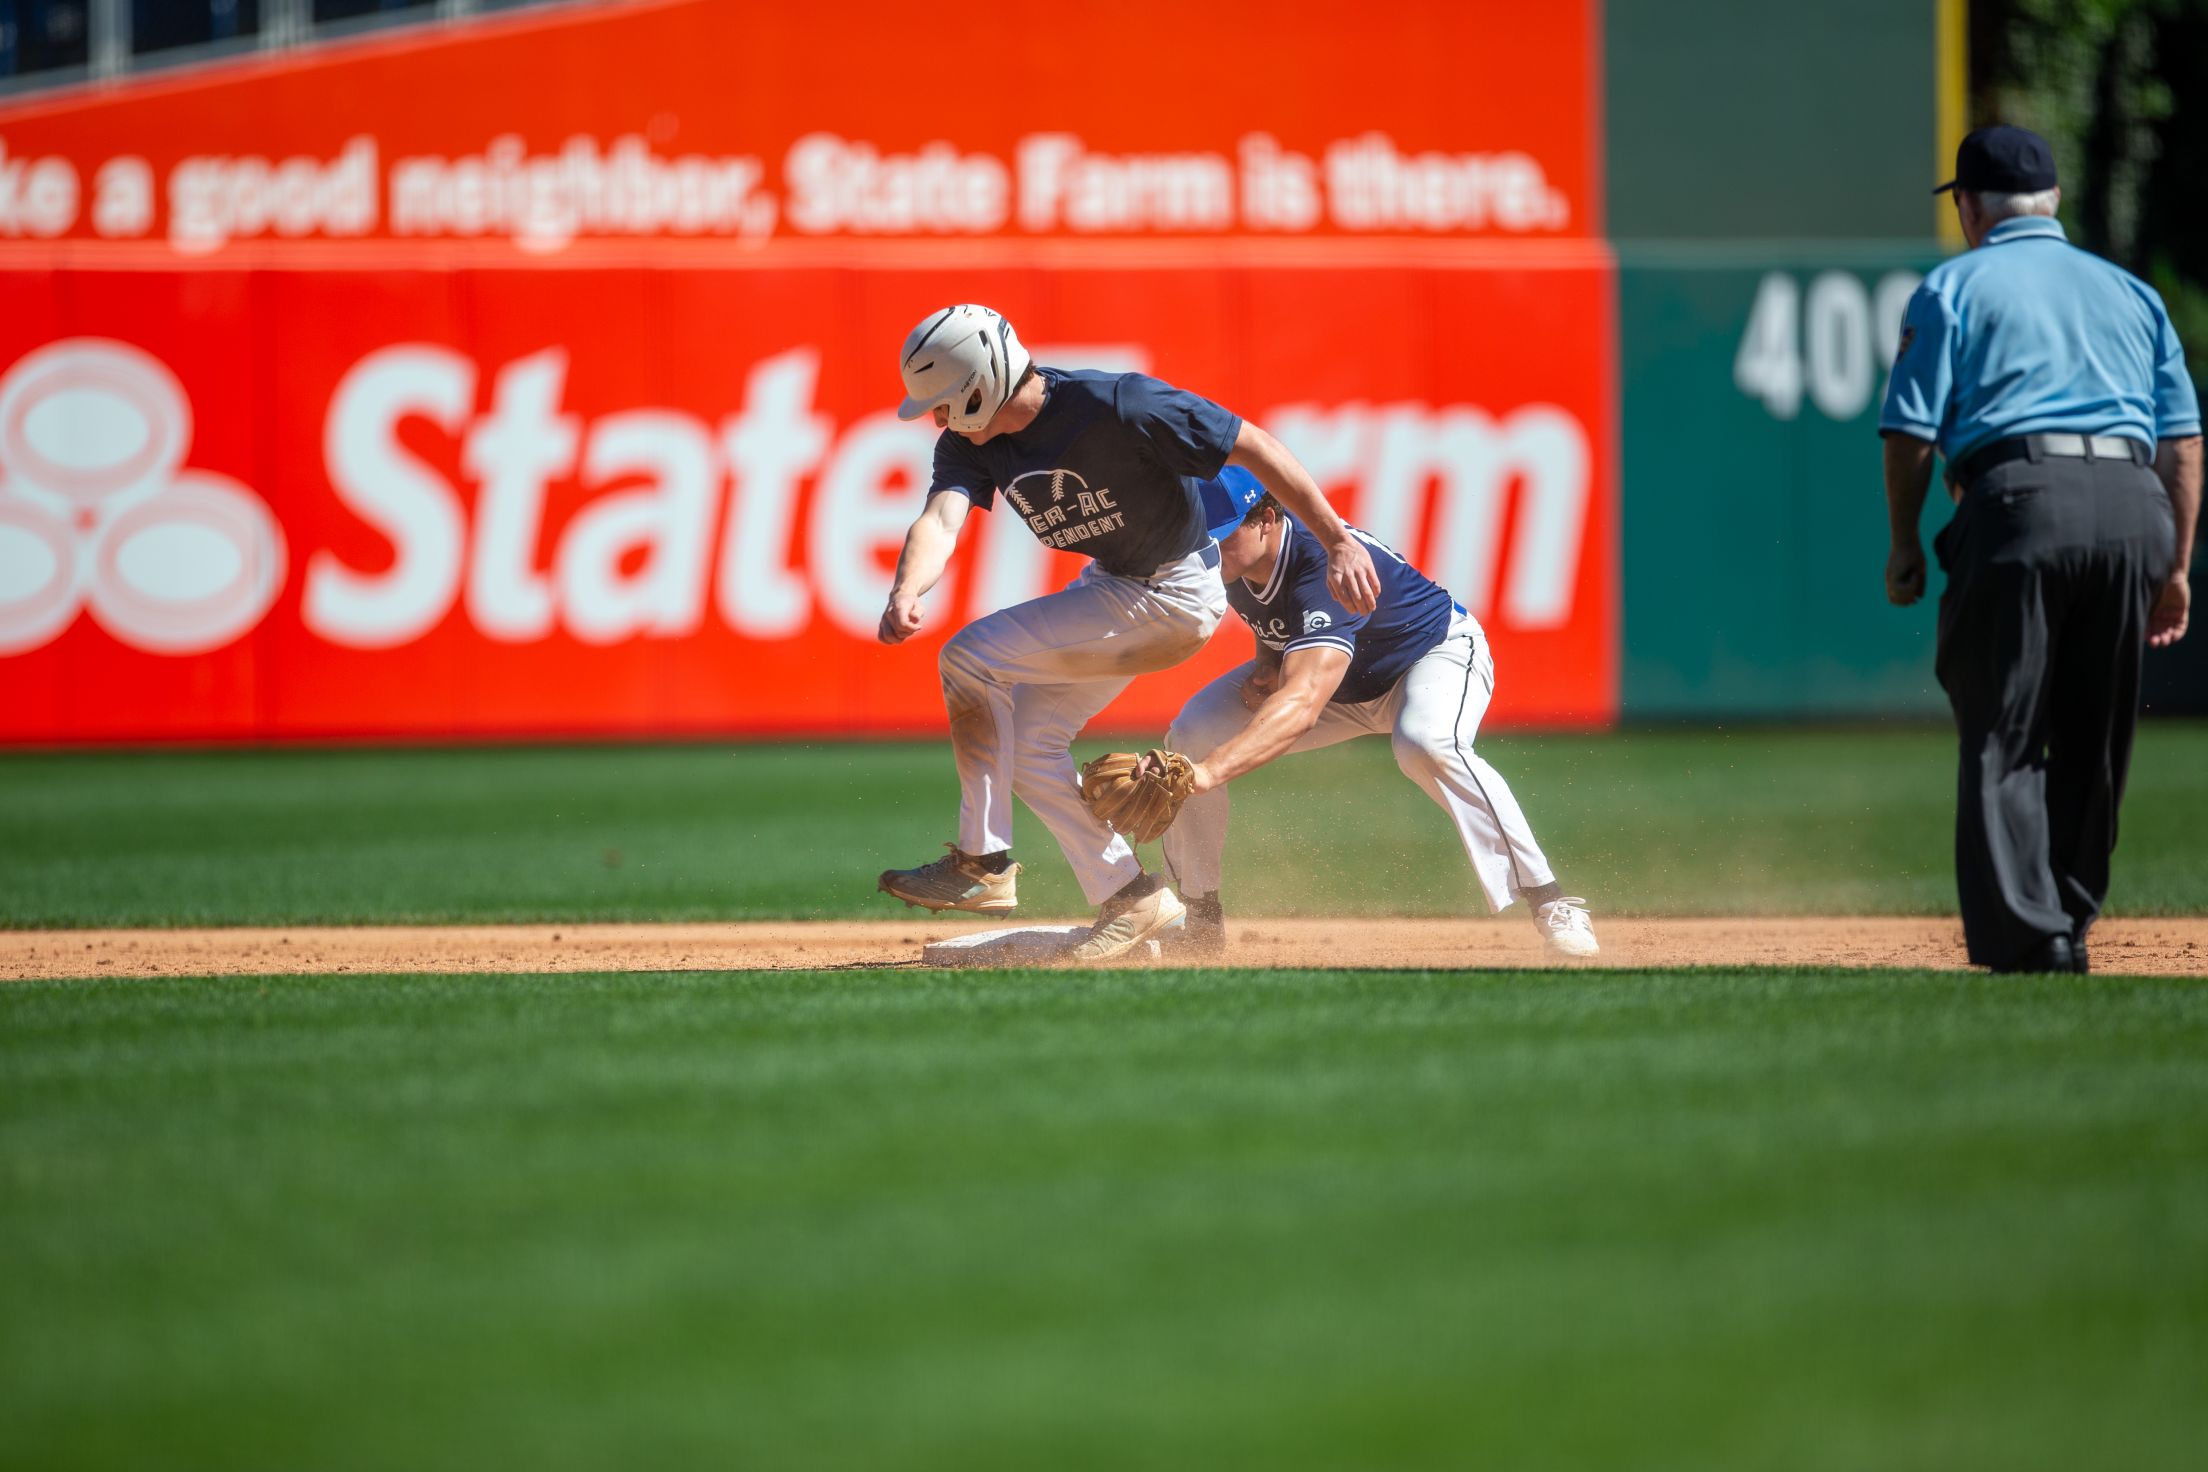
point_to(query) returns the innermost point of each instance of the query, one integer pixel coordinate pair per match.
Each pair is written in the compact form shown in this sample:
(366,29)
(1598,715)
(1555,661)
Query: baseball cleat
(957,881)
(1563,923)
(1124,924)
(1204,936)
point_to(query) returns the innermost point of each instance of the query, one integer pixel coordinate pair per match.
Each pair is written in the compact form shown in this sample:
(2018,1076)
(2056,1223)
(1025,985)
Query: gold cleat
(957,881)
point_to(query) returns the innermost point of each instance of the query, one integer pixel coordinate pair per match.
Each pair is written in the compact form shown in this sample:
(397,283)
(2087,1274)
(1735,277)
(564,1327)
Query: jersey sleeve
(958,468)
(2176,402)
(1189,433)
(1924,368)
(1315,619)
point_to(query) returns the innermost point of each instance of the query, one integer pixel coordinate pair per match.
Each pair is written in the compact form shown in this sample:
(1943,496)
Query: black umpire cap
(2002,160)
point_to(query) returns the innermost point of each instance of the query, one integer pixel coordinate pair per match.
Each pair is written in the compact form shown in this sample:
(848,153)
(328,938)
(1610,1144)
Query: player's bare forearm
(1277,725)
(929,543)
(1309,679)
(920,563)
(1283,474)
(1350,574)
(1908,464)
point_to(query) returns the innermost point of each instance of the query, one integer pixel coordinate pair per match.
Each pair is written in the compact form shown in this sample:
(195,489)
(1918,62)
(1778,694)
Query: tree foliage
(2120,89)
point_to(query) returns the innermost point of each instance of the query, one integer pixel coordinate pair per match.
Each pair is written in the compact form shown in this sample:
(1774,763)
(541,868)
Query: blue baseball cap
(1228,497)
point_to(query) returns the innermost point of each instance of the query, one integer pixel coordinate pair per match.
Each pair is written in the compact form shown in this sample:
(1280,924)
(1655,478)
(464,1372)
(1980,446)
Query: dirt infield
(2133,947)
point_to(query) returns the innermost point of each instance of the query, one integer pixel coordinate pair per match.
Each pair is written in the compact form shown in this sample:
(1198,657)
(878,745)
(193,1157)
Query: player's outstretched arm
(1308,679)
(927,551)
(1349,571)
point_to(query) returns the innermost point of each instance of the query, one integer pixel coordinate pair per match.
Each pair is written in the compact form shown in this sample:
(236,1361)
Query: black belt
(2048,446)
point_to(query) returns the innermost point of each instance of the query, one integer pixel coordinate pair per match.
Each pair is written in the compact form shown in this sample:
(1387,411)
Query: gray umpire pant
(2052,568)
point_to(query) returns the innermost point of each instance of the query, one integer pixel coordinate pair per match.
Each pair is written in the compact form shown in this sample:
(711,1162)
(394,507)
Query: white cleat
(1122,925)
(1564,925)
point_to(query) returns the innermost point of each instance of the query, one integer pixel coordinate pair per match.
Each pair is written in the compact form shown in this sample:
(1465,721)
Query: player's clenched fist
(900,620)
(1350,576)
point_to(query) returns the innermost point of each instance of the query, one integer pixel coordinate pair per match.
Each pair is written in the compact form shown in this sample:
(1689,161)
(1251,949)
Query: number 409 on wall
(1836,340)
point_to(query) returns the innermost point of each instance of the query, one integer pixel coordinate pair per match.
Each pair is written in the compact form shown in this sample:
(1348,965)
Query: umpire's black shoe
(2055,953)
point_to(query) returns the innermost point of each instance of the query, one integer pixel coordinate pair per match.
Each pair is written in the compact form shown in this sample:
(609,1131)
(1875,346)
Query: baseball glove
(1138,797)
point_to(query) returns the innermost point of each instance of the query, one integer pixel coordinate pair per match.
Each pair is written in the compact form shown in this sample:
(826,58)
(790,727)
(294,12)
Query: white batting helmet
(966,358)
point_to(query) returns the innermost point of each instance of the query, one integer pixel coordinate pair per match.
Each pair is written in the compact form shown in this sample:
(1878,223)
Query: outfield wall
(1756,528)
(677,515)
(1770,169)
(529,377)
(553,398)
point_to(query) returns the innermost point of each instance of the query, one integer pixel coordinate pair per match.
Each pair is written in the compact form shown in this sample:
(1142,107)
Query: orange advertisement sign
(761,125)
(379,503)
(536,377)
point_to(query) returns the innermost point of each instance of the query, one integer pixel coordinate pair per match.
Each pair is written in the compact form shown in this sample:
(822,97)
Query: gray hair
(2007,206)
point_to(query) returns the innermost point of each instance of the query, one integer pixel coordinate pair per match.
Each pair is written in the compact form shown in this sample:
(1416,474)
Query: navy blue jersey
(1109,468)
(1293,610)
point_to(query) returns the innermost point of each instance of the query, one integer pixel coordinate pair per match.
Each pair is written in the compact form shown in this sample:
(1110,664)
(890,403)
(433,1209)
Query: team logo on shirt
(1317,619)
(1074,512)
(1027,491)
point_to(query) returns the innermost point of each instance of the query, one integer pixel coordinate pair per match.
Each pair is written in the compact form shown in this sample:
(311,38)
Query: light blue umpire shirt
(2029,335)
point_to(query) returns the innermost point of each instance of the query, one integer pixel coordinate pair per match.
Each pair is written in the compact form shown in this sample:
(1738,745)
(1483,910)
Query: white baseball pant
(1021,682)
(1430,717)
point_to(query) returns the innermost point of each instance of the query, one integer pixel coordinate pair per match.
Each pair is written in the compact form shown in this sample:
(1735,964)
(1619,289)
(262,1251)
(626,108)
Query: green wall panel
(1770,119)
(1753,514)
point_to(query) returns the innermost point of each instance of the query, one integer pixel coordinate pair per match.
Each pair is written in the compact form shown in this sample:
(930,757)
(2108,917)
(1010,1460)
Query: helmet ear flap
(972,361)
(988,393)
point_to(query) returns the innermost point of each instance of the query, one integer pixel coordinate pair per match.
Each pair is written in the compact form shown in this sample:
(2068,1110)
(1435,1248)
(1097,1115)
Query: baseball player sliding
(1416,668)
(1106,465)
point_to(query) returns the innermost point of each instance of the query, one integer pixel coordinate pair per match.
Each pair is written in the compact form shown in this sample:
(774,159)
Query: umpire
(2053,385)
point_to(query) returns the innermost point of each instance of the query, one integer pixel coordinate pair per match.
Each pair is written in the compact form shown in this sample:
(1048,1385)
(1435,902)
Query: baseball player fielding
(1416,668)
(1107,466)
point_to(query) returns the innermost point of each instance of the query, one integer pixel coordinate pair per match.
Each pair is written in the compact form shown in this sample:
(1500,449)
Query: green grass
(908,1219)
(1649,822)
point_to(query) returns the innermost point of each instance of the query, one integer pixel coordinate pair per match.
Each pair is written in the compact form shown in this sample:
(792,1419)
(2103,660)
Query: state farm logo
(98,511)
(520,516)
